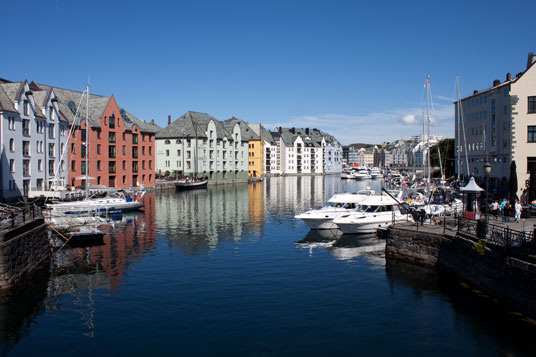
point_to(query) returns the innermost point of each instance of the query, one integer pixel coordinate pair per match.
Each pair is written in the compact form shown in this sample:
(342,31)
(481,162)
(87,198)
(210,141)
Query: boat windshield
(347,205)
(368,208)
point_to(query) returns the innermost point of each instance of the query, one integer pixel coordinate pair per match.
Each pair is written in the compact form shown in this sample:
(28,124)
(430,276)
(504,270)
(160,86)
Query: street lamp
(487,170)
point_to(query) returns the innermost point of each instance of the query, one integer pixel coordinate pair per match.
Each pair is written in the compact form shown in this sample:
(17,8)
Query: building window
(83,135)
(111,151)
(134,138)
(532,104)
(51,167)
(531,134)
(51,134)
(39,165)
(73,165)
(26,148)
(11,145)
(111,167)
(51,149)
(83,150)
(12,165)
(98,149)
(124,149)
(135,152)
(98,165)
(25,127)
(26,105)
(111,137)
(134,166)
(111,122)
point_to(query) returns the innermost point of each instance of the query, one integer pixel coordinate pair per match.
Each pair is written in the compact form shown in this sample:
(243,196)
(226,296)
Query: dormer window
(26,106)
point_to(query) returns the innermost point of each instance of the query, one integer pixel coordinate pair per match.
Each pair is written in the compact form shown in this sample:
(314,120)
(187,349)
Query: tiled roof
(246,132)
(6,104)
(192,125)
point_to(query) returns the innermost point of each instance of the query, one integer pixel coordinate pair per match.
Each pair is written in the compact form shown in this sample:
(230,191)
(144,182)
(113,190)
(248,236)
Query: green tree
(446,147)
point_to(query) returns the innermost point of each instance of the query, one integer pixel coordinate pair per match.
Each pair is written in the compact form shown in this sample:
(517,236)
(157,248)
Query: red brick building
(120,147)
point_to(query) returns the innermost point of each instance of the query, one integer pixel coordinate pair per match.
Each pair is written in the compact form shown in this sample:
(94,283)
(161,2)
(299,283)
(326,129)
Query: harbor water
(228,271)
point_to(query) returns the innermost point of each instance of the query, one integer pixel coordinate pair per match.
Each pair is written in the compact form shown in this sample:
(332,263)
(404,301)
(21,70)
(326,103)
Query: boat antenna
(437,137)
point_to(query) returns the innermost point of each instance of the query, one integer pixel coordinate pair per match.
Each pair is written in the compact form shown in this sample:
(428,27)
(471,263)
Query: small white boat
(338,205)
(113,201)
(374,212)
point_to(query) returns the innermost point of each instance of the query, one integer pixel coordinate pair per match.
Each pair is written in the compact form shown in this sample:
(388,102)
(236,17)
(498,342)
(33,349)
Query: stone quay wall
(22,249)
(510,280)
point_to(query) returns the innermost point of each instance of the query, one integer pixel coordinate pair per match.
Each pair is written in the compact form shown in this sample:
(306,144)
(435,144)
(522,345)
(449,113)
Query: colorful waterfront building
(112,148)
(33,136)
(252,133)
(199,145)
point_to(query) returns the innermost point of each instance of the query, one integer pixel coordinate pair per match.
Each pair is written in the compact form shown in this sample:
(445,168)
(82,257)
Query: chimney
(475,92)
(152,121)
(508,77)
(496,82)
(293,130)
(168,119)
(531,60)
(307,131)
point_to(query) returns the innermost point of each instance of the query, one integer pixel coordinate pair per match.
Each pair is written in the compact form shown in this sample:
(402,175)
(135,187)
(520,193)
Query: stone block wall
(506,278)
(22,249)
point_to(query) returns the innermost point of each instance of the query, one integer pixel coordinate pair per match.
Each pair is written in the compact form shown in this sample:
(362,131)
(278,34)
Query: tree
(446,146)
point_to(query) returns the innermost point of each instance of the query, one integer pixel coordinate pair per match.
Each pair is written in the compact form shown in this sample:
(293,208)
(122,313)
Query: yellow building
(253,134)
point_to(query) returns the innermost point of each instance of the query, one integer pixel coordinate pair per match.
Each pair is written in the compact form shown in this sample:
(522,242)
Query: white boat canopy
(471,186)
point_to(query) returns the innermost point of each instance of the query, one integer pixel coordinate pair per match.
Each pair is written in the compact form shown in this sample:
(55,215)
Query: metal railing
(498,235)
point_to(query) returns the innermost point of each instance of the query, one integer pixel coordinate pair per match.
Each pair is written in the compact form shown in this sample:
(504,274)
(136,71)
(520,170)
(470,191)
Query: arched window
(167,142)
(11,145)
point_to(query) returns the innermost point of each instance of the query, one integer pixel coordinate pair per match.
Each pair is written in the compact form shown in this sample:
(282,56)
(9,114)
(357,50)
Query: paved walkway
(524,224)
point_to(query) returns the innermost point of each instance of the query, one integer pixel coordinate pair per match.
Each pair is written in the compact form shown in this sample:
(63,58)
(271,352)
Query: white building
(33,140)
(499,126)
(296,151)
(199,145)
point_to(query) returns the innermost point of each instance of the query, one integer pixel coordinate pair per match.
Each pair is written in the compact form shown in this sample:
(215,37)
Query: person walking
(494,208)
(518,208)
(503,210)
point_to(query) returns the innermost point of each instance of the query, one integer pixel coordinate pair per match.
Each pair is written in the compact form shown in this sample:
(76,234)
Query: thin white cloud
(377,127)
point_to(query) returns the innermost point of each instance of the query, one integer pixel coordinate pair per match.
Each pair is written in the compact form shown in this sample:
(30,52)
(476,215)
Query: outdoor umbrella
(512,183)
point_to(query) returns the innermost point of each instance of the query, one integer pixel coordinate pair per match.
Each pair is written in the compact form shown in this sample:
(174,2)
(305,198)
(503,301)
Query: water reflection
(347,246)
(20,306)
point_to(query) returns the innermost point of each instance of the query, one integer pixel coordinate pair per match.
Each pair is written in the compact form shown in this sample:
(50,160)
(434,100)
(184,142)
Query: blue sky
(355,69)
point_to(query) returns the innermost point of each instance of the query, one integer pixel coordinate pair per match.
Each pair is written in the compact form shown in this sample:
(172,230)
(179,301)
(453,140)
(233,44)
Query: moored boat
(191,184)
(374,212)
(337,205)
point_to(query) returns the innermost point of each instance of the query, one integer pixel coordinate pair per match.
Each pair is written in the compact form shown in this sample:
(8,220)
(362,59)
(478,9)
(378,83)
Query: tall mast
(460,111)
(428,130)
(87,137)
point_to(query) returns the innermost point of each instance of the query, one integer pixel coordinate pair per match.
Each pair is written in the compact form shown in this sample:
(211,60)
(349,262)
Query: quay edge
(511,280)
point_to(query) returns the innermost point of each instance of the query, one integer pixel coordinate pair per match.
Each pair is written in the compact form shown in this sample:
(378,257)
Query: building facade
(496,126)
(199,145)
(33,137)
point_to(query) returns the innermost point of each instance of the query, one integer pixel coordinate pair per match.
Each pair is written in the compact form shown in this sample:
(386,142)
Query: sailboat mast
(87,136)
(428,130)
(462,122)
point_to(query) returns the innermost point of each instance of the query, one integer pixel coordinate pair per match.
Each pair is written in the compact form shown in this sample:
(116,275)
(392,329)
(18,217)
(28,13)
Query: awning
(471,186)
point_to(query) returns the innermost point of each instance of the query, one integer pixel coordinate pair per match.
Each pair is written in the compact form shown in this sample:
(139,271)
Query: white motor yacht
(338,205)
(373,212)
(361,173)
(376,173)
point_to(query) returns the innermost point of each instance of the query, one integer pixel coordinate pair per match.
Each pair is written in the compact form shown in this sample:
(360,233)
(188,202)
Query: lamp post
(487,170)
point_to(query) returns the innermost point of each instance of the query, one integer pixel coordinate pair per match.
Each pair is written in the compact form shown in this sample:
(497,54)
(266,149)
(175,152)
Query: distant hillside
(360,145)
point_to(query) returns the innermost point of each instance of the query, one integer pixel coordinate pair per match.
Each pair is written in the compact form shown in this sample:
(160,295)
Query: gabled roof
(12,92)
(191,125)
(246,132)
(6,104)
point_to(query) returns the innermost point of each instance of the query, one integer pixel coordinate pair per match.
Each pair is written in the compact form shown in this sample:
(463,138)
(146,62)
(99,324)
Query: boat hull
(191,185)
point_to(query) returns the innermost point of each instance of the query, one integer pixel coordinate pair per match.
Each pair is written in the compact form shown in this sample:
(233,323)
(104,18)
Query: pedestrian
(494,208)
(507,212)
(503,209)
(518,209)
